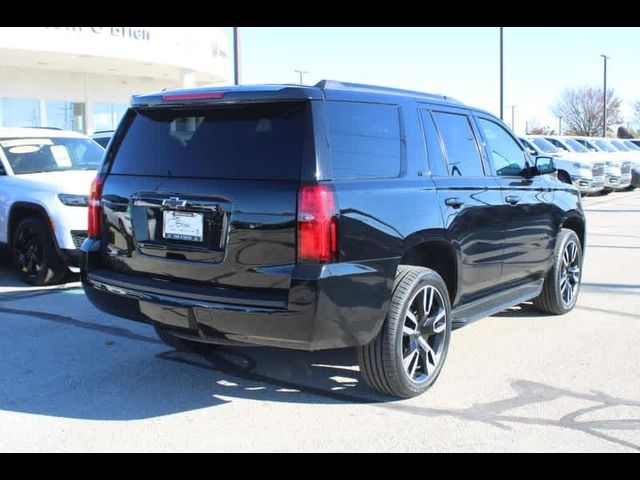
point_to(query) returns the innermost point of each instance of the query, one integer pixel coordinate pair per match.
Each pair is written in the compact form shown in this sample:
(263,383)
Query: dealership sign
(197,49)
(135,33)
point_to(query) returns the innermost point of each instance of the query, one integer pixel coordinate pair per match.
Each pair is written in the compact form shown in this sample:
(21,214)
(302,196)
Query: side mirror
(544,165)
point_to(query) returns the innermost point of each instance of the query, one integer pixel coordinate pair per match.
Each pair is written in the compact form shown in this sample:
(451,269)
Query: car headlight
(609,163)
(73,200)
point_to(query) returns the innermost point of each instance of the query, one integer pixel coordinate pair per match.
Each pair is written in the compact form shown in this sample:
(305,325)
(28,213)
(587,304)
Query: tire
(381,361)
(555,294)
(35,254)
(175,342)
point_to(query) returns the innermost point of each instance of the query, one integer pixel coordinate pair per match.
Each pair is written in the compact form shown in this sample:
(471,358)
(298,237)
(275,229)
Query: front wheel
(562,284)
(408,353)
(35,254)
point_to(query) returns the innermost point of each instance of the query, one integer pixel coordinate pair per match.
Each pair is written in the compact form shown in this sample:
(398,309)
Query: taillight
(95,207)
(317,233)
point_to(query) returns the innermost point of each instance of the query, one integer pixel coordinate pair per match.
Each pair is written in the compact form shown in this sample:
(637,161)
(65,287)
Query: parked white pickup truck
(573,168)
(45,176)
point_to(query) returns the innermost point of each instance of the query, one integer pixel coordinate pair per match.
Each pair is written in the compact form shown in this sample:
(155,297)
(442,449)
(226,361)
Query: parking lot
(75,379)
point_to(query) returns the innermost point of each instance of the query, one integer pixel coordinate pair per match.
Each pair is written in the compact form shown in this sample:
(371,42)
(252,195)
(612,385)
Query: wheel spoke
(414,367)
(30,264)
(412,328)
(563,287)
(427,302)
(429,355)
(409,359)
(406,330)
(574,274)
(436,323)
(440,321)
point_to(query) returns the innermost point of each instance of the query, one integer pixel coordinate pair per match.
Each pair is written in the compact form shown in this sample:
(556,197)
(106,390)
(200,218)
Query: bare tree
(636,112)
(534,127)
(546,130)
(581,110)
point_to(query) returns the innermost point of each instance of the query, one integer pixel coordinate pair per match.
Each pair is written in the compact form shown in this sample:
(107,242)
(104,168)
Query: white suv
(45,176)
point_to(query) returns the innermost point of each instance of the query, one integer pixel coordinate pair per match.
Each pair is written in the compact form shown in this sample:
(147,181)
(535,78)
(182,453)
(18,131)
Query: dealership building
(81,78)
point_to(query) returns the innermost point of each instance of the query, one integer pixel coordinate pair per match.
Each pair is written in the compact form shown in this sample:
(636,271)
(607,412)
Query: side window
(436,159)
(365,139)
(508,157)
(529,147)
(461,148)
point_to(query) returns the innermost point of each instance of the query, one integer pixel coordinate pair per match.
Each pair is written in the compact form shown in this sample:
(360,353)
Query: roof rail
(43,128)
(103,131)
(337,85)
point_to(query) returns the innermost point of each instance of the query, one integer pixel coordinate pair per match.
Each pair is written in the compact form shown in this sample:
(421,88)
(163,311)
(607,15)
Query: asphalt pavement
(75,379)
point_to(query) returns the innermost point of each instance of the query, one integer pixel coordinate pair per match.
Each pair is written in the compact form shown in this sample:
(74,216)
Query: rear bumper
(328,306)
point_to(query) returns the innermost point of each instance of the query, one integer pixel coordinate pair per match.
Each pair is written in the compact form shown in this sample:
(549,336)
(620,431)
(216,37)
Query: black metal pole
(604,99)
(501,78)
(236,56)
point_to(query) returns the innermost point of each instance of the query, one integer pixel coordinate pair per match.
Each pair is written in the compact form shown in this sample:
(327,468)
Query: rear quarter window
(365,139)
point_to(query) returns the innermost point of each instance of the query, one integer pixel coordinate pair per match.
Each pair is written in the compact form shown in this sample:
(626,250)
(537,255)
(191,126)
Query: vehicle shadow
(10,279)
(61,365)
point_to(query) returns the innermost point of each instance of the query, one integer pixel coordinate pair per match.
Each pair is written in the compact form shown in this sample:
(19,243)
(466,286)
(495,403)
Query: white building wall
(107,64)
(70,86)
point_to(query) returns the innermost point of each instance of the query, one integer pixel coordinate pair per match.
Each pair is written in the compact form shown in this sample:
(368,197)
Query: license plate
(186,226)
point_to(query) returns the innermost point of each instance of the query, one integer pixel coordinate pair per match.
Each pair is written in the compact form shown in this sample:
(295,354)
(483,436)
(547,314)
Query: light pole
(301,72)
(513,116)
(560,125)
(236,56)
(501,78)
(604,98)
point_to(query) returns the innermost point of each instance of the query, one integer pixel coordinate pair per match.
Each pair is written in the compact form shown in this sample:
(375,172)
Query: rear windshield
(51,154)
(240,141)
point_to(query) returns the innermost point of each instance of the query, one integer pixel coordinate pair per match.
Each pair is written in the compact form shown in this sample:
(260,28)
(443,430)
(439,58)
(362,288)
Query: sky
(461,62)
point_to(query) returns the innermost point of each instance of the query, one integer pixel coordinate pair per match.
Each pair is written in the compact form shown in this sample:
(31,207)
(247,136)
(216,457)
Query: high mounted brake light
(317,224)
(191,96)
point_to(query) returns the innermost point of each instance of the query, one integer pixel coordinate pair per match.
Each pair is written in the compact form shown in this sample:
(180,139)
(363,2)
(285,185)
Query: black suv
(337,215)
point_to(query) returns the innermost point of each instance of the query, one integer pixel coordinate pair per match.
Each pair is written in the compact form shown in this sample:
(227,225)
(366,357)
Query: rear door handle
(454,202)
(512,199)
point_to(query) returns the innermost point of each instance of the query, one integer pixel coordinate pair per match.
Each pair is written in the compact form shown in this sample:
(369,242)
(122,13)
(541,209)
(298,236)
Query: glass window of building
(64,115)
(106,116)
(19,112)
